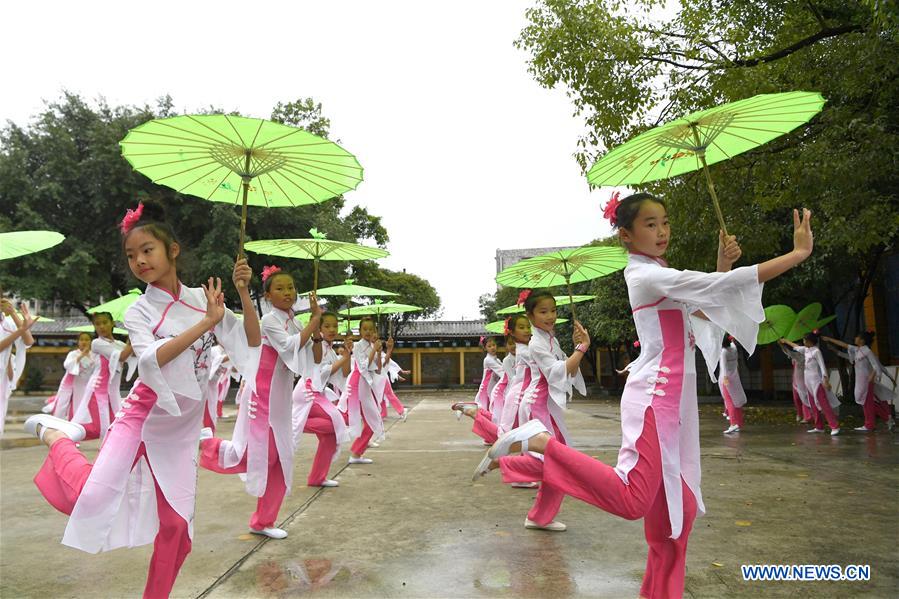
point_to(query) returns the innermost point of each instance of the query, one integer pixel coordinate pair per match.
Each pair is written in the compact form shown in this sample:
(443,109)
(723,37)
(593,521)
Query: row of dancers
(657,476)
(142,486)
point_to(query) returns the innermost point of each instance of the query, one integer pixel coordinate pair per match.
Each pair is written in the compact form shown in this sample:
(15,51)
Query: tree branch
(784,52)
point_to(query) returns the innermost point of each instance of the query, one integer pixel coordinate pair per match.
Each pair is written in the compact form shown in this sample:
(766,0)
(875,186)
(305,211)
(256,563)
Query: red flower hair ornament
(637,343)
(609,211)
(132,217)
(506,330)
(269,271)
(523,296)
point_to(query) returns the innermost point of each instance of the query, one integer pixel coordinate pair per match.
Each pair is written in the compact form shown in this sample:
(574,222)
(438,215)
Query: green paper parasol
(20,243)
(239,160)
(498,326)
(702,138)
(118,306)
(778,320)
(806,321)
(315,249)
(561,300)
(564,267)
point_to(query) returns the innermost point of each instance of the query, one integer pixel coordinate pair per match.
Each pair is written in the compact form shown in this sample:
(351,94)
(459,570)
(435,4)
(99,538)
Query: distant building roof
(442,329)
(506,258)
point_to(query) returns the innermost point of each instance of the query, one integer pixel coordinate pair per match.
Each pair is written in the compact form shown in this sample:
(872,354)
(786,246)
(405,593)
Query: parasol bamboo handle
(571,302)
(700,152)
(315,276)
(243,211)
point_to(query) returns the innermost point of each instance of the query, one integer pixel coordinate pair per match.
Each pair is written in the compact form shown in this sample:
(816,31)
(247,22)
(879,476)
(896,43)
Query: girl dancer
(479,410)
(520,330)
(552,377)
(493,372)
(818,384)
(657,476)
(867,370)
(103,396)
(729,384)
(358,401)
(392,372)
(79,366)
(314,411)
(219,383)
(498,395)
(143,483)
(16,333)
(262,443)
(800,393)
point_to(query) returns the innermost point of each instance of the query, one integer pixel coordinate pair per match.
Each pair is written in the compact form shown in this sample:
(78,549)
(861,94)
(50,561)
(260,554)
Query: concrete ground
(412,525)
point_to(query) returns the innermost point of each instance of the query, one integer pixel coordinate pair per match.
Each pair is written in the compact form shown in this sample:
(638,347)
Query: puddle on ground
(299,576)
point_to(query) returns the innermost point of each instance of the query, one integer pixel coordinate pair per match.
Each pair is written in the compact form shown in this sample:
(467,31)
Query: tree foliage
(625,71)
(63,171)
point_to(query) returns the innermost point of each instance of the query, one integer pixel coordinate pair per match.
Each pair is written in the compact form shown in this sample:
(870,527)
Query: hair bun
(154,211)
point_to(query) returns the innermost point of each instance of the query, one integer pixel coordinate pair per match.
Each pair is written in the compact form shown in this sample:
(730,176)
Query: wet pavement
(412,525)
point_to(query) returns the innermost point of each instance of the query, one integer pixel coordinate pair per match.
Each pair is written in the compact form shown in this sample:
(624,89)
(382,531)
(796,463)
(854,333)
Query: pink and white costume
(219,383)
(801,397)
(733,393)
(823,400)
(142,487)
(102,395)
(493,372)
(657,476)
(514,392)
(261,446)
(71,391)
(874,397)
(12,365)
(544,400)
(359,401)
(315,412)
(391,370)
(498,395)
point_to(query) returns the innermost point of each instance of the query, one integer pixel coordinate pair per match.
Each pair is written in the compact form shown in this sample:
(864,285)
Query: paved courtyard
(413,525)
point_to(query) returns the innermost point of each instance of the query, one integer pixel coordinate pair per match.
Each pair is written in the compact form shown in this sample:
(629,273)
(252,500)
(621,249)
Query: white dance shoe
(272,533)
(374,444)
(521,434)
(815,430)
(353,460)
(329,482)
(864,429)
(405,414)
(553,526)
(531,485)
(733,428)
(464,408)
(72,430)
(835,432)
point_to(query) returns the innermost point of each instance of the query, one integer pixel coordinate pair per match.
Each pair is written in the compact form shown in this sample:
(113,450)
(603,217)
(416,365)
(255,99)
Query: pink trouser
(874,409)
(832,420)
(527,469)
(393,399)
(734,414)
(802,412)
(361,444)
(570,472)
(320,424)
(92,428)
(484,426)
(60,480)
(269,504)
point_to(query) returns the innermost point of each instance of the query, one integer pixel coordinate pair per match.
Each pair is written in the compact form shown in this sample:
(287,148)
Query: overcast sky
(463,152)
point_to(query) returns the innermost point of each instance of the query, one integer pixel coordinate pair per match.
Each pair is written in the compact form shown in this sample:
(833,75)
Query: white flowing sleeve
(495,365)
(287,345)
(72,364)
(707,336)
(557,378)
(731,300)
(820,365)
(233,338)
(876,366)
(162,380)
(366,368)
(393,370)
(109,350)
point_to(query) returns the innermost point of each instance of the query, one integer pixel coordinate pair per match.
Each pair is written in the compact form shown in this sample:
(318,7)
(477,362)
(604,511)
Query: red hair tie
(481,341)
(637,343)
(523,296)
(269,271)
(131,218)
(609,211)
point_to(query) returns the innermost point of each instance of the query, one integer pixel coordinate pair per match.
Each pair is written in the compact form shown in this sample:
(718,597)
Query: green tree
(64,172)
(411,288)
(625,71)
